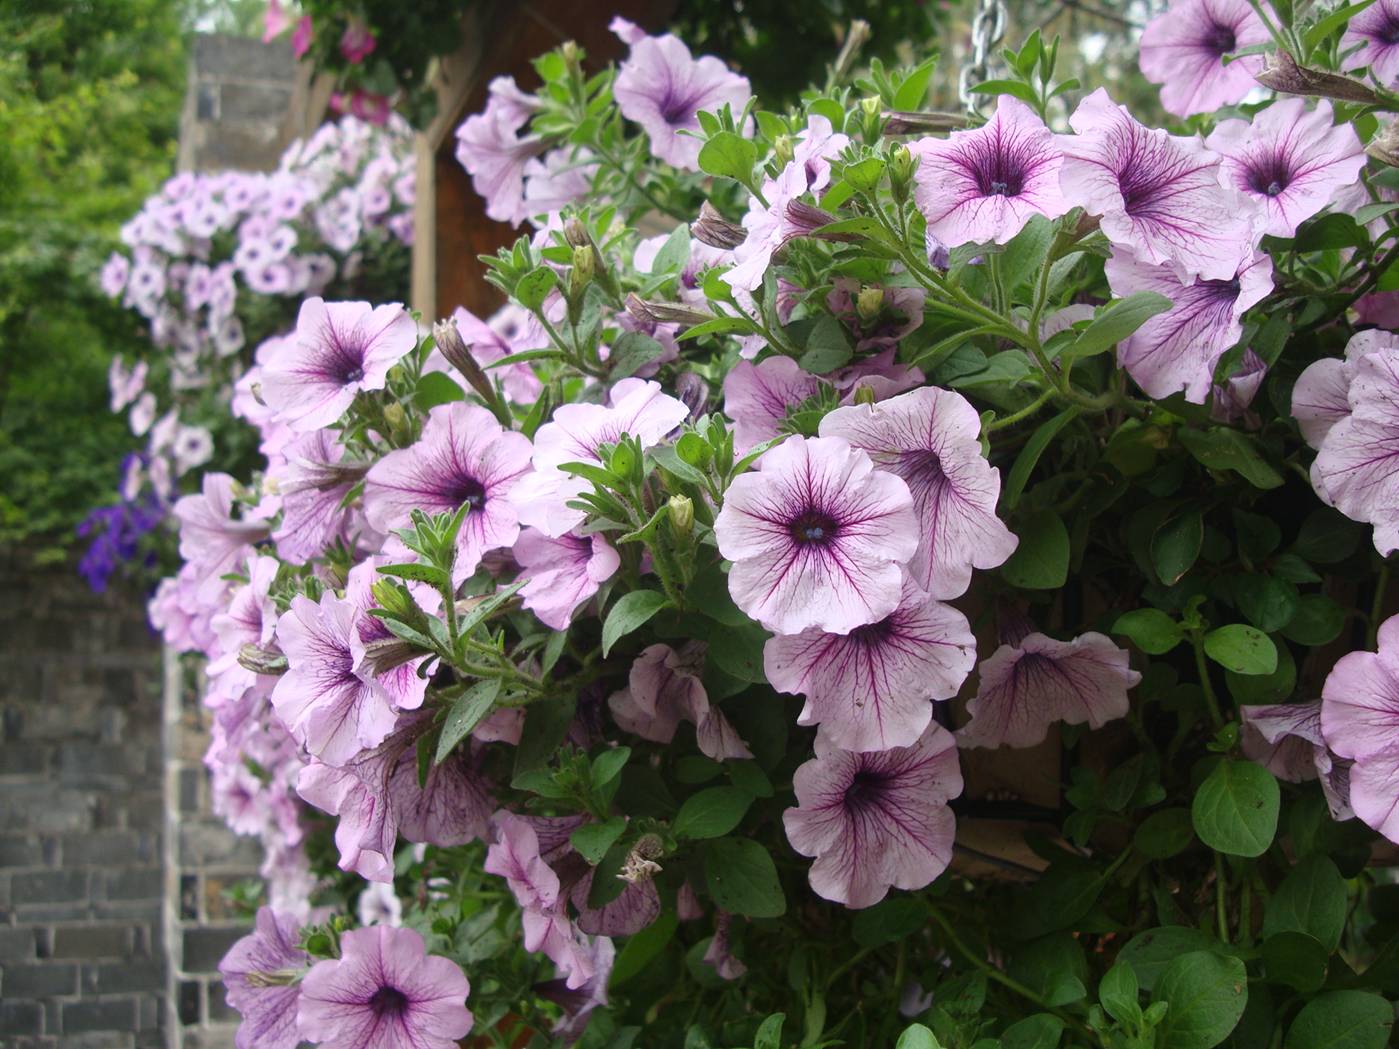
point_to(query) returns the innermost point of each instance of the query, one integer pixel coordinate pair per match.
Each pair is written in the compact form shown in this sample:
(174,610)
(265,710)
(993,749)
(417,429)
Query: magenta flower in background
(268,1008)
(1292,162)
(931,438)
(357,43)
(575,434)
(301,37)
(494,153)
(1373,38)
(213,542)
(877,820)
(1158,196)
(1178,349)
(1183,50)
(1321,396)
(758,398)
(562,573)
(384,992)
(340,349)
(1027,686)
(313,481)
(664,689)
(1287,740)
(873,688)
(328,708)
(1360,721)
(817,536)
(982,186)
(661,87)
(464,457)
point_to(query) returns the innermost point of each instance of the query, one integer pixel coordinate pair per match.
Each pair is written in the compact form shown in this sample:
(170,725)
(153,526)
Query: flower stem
(1206,688)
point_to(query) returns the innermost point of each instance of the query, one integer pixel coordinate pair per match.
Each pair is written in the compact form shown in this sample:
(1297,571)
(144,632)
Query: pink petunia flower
(1290,161)
(1178,349)
(401,684)
(662,88)
(268,1008)
(931,438)
(876,820)
(982,186)
(1158,195)
(213,542)
(1287,740)
(817,536)
(1372,37)
(900,314)
(328,707)
(575,434)
(340,349)
(1027,686)
(250,618)
(719,954)
(1360,721)
(759,397)
(873,688)
(494,153)
(464,457)
(301,36)
(313,481)
(1183,49)
(664,689)
(384,992)
(126,384)
(1321,395)
(562,573)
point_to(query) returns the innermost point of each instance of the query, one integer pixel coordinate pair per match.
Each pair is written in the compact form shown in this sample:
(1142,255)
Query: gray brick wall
(82,924)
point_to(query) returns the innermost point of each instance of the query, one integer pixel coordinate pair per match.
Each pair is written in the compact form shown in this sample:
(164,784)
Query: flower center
(1388,34)
(866,786)
(389,1001)
(813,527)
(1220,39)
(873,634)
(470,491)
(1269,176)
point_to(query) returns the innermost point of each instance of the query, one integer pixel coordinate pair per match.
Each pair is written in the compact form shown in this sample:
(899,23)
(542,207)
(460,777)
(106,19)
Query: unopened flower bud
(388,653)
(681,512)
(783,150)
(583,269)
(902,165)
(572,55)
(864,393)
(392,597)
(900,122)
(870,107)
(458,355)
(576,234)
(638,310)
(395,418)
(1384,147)
(640,864)
(856,37)
(674,313)
(869,302)
(261,660)
(718,232)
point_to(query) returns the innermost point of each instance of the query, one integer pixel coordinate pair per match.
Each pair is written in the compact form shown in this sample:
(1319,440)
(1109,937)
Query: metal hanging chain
(988,26)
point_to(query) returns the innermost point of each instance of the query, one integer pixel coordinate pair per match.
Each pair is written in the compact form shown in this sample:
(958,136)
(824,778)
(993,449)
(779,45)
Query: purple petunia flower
(257,974)
(1357,466)
(562,573)
(1321,396)
(1372,37)
(876,820)
(1157,195)
(1290,161)
(719,954)
(899,314)
(125,384)
(401,684)
(464,457)
(1184,47)
(758,398)
(664,689)
(325,704)
(1360,721)
(1286,739)
(313,482)
(249,618)
(495,155)
(384,992)
(575,434)
(340,349)
(1178,349)
(872,689)
(931,438)
(661,87)
(982,186)
(816,536)
(1027,686)
(213,542)
(1230,401)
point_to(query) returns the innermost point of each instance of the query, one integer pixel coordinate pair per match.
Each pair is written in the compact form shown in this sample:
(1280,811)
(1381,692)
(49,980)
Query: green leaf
(719,325)
(1041,561)
(1176,545)
(631,351)
(913,92)
(436,388)
(1150,952)
(1311,899)
(1221,449)
(592,840)
(1342,1020)
(1025,462)
(739,652)
(1024,255)
(729,156)
(546,724)
(916,1036)
(1235,811)
(641,948)
(1263,689)
(1332,22)
(466,713)
(1268,602)
(608,765)
(1207,993)
(1329,232)
(1164,834)
(865,174)
(888,921)
(631,611)
(1118,994)
(1318,621)
(1116,321)
(769,1034)
(1040,1031)
(1295,960)
(1150,629)
(711,813)
(1242,649)
(1014,88)
(827,347)
(534,287)
(417,572)
(742,879)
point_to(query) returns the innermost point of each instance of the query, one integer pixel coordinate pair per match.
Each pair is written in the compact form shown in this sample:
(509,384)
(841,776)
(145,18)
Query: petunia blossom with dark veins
(1184,49)
(1372,39)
